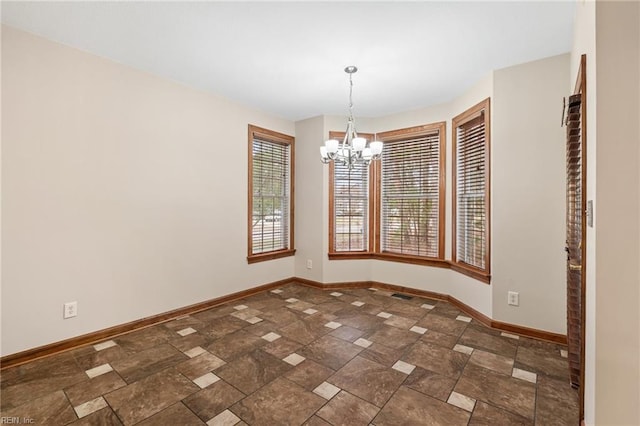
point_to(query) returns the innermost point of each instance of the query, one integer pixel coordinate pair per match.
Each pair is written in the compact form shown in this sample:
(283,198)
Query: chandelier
(353,149)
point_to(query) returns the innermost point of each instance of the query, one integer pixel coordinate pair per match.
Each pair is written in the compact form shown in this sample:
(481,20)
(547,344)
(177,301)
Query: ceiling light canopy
(353,149)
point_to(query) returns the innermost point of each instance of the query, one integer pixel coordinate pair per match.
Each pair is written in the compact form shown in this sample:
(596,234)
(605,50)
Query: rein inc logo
(5,420)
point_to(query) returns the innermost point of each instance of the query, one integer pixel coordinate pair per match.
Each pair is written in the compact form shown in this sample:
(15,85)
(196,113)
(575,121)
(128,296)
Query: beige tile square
(240,307)
(524,375)
(194,352)
(99,370)
(253,320)
(104,345)
(270,337)
(292,300)
(510,336)
(336,294)
(404,367)
(294,359)
(384,315)
(363,343)
(461,401)
(186,331)
(564,353)
(427,306)
(419,330)
(463,349)
(310,311)
(89,407)
(276,291)
(326,390)
(226,418)
(357,303)
(463,318)
(206,380)
(333,325)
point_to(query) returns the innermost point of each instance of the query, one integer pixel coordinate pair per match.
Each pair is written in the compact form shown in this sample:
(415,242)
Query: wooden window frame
(375,174)
(360,254)
(398,136)
(278,138)
(483,275)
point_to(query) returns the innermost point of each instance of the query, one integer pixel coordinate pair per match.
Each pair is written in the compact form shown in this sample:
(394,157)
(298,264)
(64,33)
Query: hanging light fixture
(353,149)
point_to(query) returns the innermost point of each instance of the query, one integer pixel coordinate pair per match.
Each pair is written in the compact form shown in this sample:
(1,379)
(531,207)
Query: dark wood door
(576,233)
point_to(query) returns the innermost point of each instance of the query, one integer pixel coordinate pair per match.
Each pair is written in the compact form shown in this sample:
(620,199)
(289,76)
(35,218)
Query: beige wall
(617,279)
(528,191)
(115,193)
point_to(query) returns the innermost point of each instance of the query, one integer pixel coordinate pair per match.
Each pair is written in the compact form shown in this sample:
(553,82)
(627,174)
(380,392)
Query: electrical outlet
(309,264)
(70,310)
(513,298)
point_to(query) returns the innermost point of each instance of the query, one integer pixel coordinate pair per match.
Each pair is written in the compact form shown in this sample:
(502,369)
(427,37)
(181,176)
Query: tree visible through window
(270,195)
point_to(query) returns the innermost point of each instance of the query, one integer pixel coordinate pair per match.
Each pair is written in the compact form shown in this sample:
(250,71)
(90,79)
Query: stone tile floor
(299,355)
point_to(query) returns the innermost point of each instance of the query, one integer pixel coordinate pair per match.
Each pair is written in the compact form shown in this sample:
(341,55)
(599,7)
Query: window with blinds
(350,206)
(471,237)
(412,193)
(270,195)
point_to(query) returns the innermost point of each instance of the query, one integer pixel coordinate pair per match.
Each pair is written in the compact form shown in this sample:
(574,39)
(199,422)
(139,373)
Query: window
(270,195)
(412,192)
(393,209)
(350,206)
(471,191)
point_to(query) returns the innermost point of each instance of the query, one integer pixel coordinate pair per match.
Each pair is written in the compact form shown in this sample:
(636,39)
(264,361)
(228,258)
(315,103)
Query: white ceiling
(288,57)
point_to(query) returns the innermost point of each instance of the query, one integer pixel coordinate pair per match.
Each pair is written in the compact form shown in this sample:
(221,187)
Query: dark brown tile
(282,316)
(235,344)
(441,339)
(487,415)
(281,402)
(366,323)
(393,337)
(213,314)
(557,402)
(383,354)
(330,351)
(446,309)
(103,417)
(345,409)
(409,407)
(443,324)
(281,347)
(184,322)
(252,371)
(177,414)
(430,383)
(542,362)
(147,362)
(36,380)
(514,395)
(406,310)
(497,363)
(368,380)
(93,388)
(400,322)
(349,334)
(480,339)
(90,359)
(144,339)
(316,421)
(304,332)
(309,374)
(51,409)
(150,395)
(190,341)
(213,400)
(261,328)
(223,327)
(437,359)
(199,365)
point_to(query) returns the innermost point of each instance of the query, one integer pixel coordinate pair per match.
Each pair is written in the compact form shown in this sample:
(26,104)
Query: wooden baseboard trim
(473,313)
(107,333)
(111,332)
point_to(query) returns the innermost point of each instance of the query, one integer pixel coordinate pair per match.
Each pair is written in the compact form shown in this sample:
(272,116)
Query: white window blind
(471,204)
(270,195)
(410,195)
(350,208)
